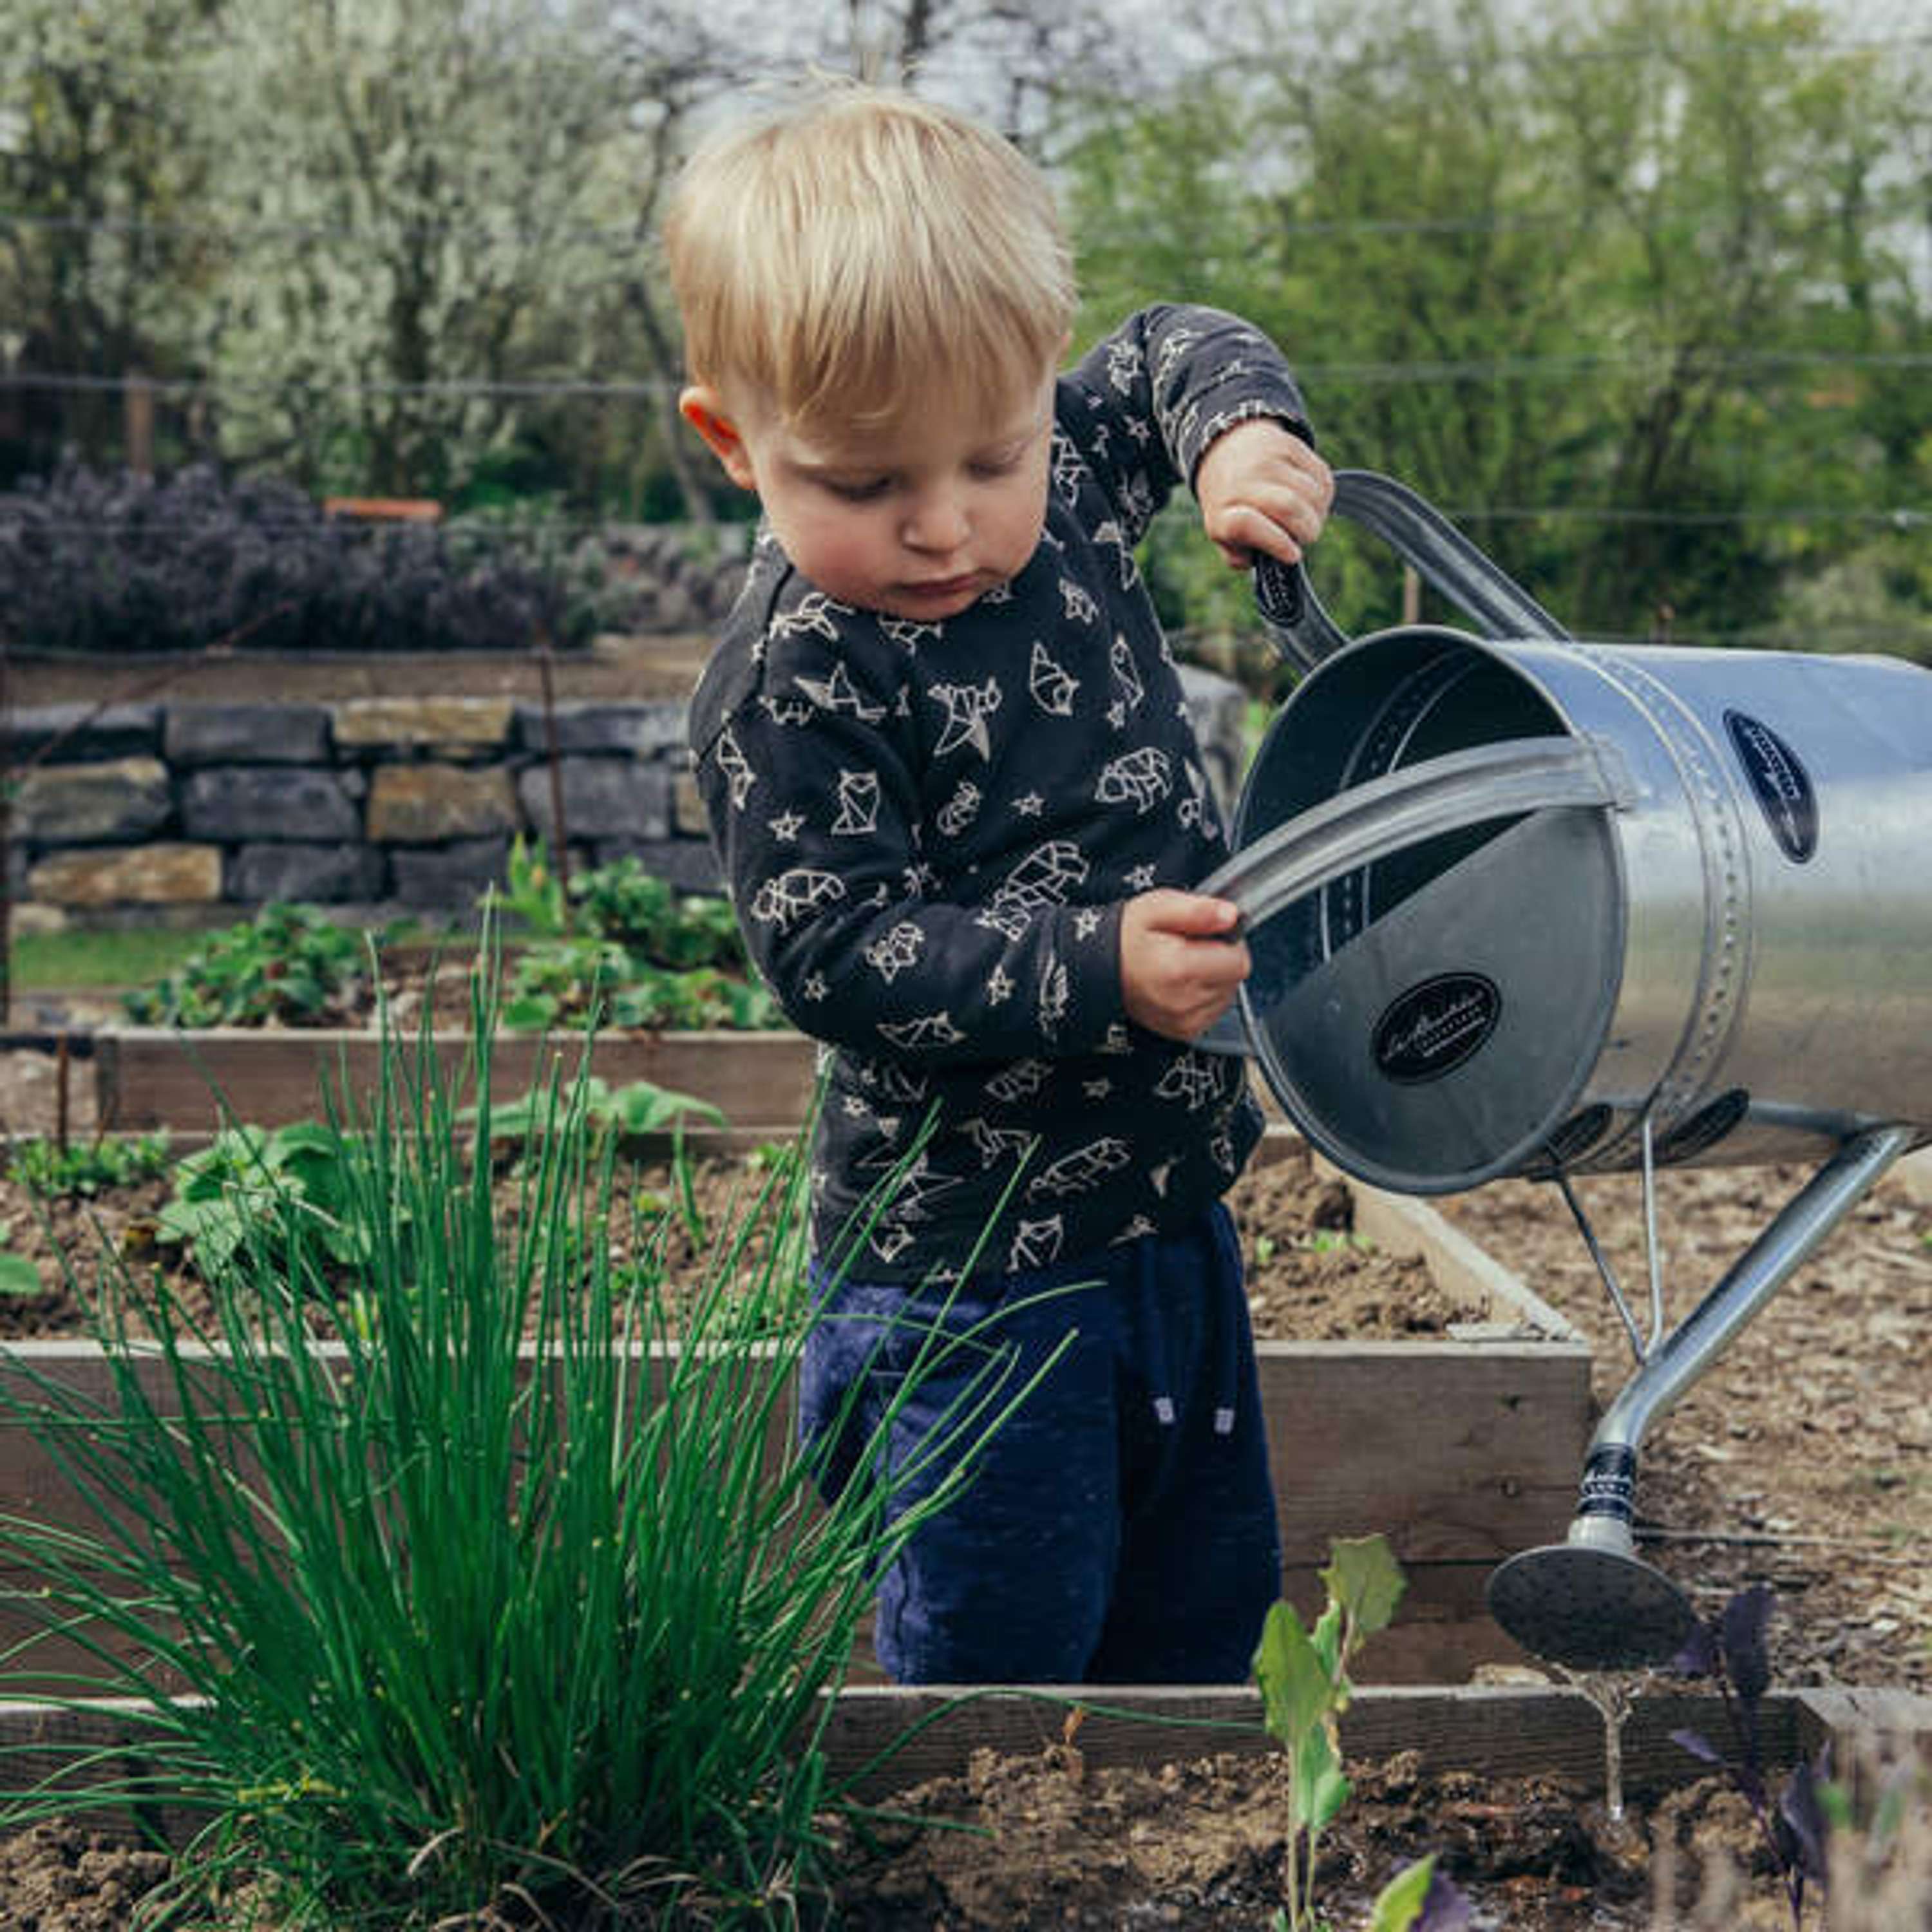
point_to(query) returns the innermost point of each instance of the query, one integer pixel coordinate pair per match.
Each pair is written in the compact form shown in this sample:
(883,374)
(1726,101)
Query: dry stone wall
(183,812)
(199,813)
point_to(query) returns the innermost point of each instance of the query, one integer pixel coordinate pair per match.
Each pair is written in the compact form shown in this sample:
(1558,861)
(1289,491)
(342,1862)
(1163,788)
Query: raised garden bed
(1128,1823)
(1491,1387)
(1166,1807)
(1127,1819)
(1795,1461)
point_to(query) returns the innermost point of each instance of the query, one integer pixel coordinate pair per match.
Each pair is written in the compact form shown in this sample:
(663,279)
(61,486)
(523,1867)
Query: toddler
(950,776)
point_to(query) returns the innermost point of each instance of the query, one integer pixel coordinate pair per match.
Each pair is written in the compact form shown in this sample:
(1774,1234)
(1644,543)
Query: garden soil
(1800,1460)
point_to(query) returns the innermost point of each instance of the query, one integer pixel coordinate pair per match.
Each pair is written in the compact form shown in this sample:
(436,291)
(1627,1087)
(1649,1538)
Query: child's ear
(703,408)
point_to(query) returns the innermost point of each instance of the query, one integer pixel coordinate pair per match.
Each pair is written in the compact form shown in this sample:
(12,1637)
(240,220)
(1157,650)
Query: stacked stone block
(201,812)
(382,804)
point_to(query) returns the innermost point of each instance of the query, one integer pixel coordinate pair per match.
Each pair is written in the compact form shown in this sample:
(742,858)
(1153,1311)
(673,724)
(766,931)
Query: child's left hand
(1260,487)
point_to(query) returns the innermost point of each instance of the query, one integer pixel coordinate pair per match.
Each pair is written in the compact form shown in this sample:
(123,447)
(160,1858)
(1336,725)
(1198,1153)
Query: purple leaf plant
(1730,1649)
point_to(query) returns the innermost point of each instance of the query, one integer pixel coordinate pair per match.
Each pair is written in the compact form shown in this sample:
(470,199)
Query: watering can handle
(1403,808)
(1445,559)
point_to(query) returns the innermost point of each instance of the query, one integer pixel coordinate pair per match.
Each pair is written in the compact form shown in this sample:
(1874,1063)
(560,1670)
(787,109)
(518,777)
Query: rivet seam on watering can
(1720,984)
(1781,783)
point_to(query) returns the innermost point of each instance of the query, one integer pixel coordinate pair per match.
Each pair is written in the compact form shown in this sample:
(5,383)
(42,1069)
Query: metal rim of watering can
(1422,801)
(1407,806)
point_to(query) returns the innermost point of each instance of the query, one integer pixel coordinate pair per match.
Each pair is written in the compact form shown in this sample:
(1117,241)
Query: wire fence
(1422,372)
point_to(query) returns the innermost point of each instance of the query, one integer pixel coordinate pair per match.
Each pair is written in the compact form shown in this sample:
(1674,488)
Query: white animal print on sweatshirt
(930,830)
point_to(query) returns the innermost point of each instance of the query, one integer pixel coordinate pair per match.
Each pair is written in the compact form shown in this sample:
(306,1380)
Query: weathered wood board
(882,1739)
(150,1077)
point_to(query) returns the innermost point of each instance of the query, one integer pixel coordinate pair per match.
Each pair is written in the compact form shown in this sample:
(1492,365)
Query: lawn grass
(47,962)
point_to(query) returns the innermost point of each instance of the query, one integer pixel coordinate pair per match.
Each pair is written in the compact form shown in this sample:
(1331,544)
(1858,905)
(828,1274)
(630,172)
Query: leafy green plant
(553,981)
(290,965)
(620,903)
(19,1277)
(625,944)
(700,997)
(559,981)
(638,1107)
(435,1625)
(45,1167)
(1302,1677)
(251,1188)
(647,915)
(627,1113)
(1730,1649)
(531,894)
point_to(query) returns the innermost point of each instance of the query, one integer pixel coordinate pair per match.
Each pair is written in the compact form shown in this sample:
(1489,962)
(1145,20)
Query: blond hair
(860,246)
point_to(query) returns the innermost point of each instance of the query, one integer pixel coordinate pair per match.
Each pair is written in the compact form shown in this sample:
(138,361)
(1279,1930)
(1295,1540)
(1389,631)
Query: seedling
(1302,1676)
(1334,1241)
(531,893)
(1730,1649)
(45,1167)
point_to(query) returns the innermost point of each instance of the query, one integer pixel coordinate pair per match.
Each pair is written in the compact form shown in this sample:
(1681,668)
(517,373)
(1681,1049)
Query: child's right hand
(1179,966)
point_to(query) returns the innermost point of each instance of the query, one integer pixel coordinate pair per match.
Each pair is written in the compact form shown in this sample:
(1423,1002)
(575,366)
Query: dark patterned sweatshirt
(929,830)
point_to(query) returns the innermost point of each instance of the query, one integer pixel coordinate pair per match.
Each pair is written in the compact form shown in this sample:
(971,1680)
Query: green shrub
(626,947)
(428,1638)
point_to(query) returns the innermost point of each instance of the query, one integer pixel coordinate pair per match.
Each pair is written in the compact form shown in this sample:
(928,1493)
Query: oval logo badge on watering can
(1436,1026)
(1783,785)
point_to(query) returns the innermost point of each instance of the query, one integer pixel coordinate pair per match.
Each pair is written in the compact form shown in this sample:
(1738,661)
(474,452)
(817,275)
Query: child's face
(918,519)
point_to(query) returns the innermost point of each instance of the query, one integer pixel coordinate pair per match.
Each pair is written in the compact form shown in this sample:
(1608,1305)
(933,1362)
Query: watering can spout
(1590,1603)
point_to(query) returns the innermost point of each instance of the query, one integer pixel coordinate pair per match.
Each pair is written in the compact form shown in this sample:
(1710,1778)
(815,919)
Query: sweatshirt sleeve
(807,769)
(1144,404)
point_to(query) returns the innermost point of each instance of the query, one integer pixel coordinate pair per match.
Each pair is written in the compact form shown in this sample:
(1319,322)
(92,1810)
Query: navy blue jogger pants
(1120,1526)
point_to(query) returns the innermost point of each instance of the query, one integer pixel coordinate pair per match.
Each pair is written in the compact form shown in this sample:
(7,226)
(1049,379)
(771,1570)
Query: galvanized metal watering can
(1522,905)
